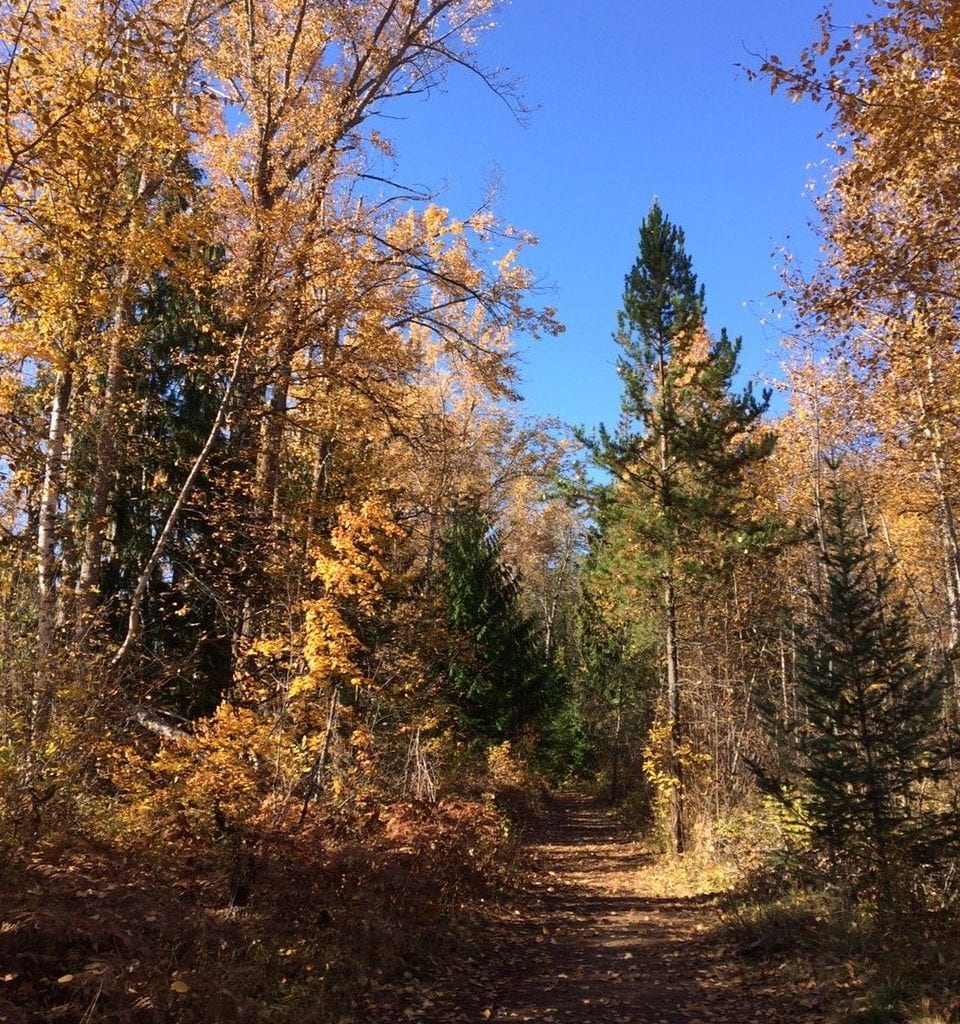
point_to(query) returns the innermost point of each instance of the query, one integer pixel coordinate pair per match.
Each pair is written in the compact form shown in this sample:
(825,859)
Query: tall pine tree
(683,443)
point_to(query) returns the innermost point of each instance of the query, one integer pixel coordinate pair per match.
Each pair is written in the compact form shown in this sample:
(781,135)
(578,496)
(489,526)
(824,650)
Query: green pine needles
(676,511)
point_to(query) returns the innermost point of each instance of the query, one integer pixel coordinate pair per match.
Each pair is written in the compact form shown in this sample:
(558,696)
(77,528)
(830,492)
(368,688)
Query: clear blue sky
(633,99)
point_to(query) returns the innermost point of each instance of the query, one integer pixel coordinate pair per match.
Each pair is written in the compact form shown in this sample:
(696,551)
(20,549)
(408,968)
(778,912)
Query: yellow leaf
(180,987)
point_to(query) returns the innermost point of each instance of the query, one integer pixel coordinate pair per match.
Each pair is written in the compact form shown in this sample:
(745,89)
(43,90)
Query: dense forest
(293,597)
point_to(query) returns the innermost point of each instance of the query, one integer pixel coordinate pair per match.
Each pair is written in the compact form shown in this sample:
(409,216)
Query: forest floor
(595,935)
(405,922)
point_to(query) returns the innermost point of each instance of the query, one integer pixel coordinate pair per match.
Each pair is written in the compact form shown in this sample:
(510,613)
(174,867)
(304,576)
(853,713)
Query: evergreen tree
(682,445)
(498,677)
(186,632)
(871,705)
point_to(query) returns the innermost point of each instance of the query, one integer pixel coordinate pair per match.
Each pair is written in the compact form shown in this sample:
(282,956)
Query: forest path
(591,939)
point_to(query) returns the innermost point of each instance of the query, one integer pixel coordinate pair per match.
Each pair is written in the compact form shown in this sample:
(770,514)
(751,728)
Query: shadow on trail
(592,940)
(588,945)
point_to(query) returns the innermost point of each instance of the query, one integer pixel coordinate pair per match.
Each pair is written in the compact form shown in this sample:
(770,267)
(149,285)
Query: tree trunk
(49,504)
(43,689)
(948,522)
(88,583)
(173,516)
(108,448)
(674,719)
(275,408)
(617,746)
(271,439)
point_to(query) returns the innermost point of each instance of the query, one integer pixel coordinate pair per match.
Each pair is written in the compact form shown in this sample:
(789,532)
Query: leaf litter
(594,934)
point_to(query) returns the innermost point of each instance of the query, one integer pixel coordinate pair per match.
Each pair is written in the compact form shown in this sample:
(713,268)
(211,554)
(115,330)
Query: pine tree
(871,707)
(683,443)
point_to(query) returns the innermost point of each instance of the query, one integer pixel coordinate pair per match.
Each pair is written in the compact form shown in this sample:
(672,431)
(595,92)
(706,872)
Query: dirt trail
(591,940)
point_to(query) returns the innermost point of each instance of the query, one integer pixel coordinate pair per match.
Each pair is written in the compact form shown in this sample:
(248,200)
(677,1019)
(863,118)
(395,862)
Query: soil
(591,937)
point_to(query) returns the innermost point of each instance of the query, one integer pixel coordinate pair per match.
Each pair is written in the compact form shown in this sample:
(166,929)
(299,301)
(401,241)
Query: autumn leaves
(247,381)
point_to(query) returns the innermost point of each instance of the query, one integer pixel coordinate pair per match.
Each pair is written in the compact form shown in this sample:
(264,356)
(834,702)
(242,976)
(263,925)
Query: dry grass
(867,970)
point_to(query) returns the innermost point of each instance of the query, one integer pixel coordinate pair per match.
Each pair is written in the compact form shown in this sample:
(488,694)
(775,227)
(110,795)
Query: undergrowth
(784,917)
(796,922)
(318,922)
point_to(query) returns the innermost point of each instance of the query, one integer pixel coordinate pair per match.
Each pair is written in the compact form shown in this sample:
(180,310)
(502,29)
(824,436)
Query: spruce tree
(496,672)
(185,629)
(871,705)
(682,445)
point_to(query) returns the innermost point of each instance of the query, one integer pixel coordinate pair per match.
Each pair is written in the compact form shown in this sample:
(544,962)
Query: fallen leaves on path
(593,937)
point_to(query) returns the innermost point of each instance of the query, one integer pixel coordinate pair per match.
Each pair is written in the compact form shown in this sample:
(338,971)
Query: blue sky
(633,100)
